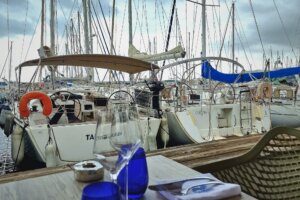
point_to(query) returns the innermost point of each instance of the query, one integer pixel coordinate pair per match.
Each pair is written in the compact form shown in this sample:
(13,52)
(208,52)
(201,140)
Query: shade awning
(118,63)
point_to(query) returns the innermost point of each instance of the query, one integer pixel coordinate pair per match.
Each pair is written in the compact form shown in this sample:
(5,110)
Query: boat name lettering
(90,137)
(103,137)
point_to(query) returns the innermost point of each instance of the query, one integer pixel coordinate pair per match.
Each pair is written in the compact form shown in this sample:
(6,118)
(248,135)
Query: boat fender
(9,123)
(17,144)
(152,144)
(50,154)
(88,171)
(164,131)
(43,97)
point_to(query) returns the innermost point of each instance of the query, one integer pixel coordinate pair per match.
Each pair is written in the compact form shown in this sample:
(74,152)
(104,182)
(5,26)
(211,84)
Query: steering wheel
(119,97)
(227,91)
(65,96)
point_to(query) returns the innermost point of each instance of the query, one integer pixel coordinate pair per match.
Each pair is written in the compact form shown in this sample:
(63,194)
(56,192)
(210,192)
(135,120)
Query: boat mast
(87,33)
(42,34)
(10,67)
(52,37)
(112,37)
(85,27)
(52,26)
(42,23)
(112,28)
(204,5)
(203,28)
(233,25)
(131,77)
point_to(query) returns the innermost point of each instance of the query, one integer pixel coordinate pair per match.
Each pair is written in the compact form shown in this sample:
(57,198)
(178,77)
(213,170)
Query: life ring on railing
(264,90)
(44,98)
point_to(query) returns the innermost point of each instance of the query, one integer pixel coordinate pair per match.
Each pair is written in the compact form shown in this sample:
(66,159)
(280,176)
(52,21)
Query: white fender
(164,131)
(50,154)
(17,144)
(151,140)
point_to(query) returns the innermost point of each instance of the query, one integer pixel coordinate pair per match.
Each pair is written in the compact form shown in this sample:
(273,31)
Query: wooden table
(63,185)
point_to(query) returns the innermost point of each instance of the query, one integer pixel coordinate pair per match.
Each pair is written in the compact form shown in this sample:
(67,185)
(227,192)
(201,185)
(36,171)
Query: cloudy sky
(20,23)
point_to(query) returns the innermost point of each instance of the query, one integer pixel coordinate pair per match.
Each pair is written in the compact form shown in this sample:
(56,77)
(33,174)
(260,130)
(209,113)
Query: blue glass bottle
(137,176)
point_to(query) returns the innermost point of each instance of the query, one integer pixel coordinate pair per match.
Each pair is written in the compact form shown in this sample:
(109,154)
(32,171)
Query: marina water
(6,162)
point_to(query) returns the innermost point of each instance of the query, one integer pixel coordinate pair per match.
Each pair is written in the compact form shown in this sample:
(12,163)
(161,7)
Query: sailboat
(214,110)
(67,123)
(284,108)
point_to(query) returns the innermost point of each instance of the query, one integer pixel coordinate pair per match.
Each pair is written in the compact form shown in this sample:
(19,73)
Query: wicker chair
(270,170)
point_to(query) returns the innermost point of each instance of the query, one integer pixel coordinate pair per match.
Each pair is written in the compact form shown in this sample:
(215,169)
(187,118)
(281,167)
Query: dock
(191,155)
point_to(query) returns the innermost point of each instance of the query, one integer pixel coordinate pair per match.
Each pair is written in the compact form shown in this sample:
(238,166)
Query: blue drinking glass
(101,191)
(137,176)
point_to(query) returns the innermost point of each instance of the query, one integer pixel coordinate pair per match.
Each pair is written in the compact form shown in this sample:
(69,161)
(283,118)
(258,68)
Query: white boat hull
(285,115)
(74,142)
(201,124)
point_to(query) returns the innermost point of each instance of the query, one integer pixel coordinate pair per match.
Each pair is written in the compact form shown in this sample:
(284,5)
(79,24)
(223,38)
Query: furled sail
(177,52)
(210,73)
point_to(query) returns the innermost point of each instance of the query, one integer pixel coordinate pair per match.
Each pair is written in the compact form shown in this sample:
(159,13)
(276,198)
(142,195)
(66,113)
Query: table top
(64,186)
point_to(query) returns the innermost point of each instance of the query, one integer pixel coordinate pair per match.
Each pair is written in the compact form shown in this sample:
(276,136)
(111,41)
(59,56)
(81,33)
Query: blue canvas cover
(210,73)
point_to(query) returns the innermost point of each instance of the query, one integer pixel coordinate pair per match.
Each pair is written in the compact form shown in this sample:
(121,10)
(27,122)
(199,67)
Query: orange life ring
(44,98)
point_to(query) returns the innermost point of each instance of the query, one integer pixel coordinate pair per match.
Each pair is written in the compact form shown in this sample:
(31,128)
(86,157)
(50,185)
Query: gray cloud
(270,26)
(17,15)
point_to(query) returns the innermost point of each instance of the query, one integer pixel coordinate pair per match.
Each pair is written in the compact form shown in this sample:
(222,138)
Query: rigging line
(169,34)
(244,34)
(243,47)
(108,32)
(208,35)
(147,27)
(284,29)
(170,28)
(99,39)
(8,53)
(113,72)
(122,27)
(242,44)
(223,39)
(24,32)
(33,36)
(216,18)
(297,29)
(237,31)
(195,11)
(179,30)
(7,21)
(140,24)
(162,25)
(103,45)
(214,27)
(198,37)
(67,19)
(256,24)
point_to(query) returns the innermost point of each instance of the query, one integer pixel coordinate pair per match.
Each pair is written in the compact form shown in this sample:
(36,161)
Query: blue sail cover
(210,73)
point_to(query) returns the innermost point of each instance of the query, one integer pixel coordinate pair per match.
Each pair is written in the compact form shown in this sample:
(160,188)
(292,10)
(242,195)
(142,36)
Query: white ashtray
(88,171)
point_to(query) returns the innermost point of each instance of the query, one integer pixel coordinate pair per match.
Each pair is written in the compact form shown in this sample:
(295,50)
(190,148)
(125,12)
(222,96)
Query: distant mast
(87,34)
(131,77)
(203,28)
(233,25)
(52,37)
(10,66)
(52,25)
(203,4)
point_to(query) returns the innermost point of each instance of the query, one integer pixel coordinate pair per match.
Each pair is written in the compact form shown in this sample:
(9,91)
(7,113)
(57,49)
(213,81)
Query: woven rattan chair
(270,170)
